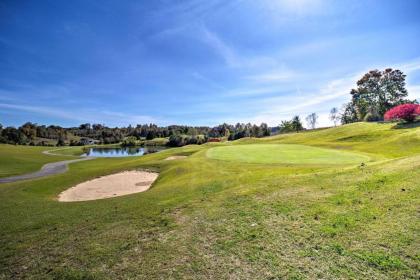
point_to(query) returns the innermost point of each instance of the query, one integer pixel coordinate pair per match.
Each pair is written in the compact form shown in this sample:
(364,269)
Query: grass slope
(382,139)
(284,153)
(15,160)
(206,218)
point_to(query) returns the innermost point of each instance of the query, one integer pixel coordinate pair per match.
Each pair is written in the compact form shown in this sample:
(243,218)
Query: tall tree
(378,91)
(297,124)
(349,114)
(285,126)
(29,129)
(311,120)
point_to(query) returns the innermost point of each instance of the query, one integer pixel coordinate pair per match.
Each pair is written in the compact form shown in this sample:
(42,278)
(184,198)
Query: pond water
(122,151)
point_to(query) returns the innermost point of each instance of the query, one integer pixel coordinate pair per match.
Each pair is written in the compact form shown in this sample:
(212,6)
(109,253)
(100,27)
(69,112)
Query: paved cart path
(46,170)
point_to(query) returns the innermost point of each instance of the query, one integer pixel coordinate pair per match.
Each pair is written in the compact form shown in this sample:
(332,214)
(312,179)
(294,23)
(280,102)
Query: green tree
(376,92)
(349,114)
(285,126)
(297,124)
(289,126)
(129,141)
(60,141)
(29,129)
(265,130)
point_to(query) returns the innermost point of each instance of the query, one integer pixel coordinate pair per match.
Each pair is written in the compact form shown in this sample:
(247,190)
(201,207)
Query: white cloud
(414,92)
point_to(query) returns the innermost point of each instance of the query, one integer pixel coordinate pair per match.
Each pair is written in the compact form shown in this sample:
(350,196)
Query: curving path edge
(46,170)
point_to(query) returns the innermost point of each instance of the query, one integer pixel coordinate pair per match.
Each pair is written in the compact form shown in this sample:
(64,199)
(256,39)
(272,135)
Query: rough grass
(213,219)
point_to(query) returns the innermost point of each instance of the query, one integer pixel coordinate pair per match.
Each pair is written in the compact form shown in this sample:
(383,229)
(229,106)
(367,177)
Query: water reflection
(121,151)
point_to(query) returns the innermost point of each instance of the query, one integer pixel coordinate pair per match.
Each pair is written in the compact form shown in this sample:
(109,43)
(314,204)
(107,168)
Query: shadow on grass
(403,125)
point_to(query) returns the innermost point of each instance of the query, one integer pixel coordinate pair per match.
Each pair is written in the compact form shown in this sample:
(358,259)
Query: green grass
(381,139)
(70,151)
(15,160)
(284,153)
(218,219)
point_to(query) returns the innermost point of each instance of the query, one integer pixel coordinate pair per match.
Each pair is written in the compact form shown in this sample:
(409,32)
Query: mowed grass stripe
(284,153)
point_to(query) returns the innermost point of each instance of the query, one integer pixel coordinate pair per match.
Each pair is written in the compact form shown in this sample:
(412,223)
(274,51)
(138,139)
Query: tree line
(178,135)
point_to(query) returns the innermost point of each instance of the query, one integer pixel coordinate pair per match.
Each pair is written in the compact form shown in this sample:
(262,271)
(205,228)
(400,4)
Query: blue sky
(196,62)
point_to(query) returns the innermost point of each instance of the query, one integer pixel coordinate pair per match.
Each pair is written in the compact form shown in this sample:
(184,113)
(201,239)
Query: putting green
(284,153)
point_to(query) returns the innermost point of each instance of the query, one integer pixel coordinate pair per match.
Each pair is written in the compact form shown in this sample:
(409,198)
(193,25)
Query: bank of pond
(120,151)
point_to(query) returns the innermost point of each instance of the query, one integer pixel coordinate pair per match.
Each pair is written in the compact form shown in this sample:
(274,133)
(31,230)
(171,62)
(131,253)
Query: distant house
(88,141)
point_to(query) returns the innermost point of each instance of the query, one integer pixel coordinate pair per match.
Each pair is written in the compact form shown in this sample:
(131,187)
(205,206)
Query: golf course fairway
(284,153)
(210,214)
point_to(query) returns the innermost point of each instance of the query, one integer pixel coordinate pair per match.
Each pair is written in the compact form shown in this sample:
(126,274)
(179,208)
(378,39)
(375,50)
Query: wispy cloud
(118,118)
(274,109)
(332,90)
(409,67)
(254,91)
(93,116)
(297,7)
(43,111)
(198,76)
(222,48)
(232,56)
(414,92)
(278,75)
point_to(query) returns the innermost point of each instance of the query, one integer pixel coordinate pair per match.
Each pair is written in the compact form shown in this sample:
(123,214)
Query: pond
(122,151)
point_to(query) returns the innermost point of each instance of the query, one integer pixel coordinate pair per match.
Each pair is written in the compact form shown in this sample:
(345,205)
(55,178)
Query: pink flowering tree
(407,112)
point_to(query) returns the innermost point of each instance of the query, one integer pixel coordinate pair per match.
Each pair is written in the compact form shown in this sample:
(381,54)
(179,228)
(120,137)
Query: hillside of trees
(33,134)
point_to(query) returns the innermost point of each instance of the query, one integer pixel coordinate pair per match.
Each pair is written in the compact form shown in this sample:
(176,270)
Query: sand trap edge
(109,186)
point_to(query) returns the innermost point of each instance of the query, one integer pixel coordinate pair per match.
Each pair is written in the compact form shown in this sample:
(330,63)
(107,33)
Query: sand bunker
(175,157)
(118,184)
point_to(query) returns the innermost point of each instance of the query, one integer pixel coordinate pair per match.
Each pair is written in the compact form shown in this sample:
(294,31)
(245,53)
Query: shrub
(129,141)
(370,117)
(177,140)
(407,112)
(182,140)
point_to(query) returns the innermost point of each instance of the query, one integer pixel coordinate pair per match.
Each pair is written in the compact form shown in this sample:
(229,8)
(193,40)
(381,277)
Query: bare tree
(334,115)
(311,120)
